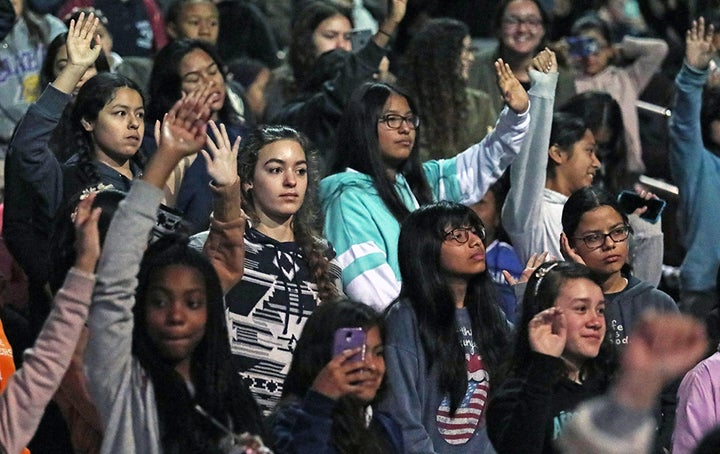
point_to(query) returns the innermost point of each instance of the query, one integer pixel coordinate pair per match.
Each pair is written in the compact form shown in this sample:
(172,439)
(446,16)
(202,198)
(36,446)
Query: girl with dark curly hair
(435,70)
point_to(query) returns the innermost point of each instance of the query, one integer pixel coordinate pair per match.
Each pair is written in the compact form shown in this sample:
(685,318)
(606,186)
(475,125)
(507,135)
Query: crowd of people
(377,227)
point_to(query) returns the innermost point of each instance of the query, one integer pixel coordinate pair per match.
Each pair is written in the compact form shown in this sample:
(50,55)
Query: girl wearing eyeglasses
(596,233)
(561,358)
(446,334)
(381,180)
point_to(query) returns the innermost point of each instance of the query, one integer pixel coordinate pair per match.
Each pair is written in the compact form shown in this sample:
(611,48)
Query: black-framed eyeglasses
(516,21)
(595,240)
(461,235)
(393,121)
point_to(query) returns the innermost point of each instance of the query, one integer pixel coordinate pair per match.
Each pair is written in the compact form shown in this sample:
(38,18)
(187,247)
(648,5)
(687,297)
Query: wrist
(86,264)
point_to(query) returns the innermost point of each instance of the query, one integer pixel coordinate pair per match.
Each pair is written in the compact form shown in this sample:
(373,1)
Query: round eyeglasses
(461,235)
(393,121)
(595,240)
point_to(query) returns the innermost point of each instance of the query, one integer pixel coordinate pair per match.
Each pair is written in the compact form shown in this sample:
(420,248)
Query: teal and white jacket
(364,232)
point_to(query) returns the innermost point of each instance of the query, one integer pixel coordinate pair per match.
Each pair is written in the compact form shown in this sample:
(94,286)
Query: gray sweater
(119,386)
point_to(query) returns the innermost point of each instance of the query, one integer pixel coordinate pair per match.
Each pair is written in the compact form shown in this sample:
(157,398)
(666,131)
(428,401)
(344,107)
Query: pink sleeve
(30,389)
(697,406)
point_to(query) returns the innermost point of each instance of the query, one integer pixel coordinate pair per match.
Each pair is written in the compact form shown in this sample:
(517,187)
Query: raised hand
(512,91)
(182,131)
(545,61)
(80,48)
(547,332)
(661,348)
(337,377)
(222,159)
(699,49)
(87,237)
(533,262)
(398,10)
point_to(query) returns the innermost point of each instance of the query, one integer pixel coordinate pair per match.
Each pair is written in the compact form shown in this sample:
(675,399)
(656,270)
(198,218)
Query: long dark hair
(218,387)
(308,219)
(314,351)
(431,72)
(426,288)
(588,199)
(302,52)
(92,97)
(358,147)
(166,83)
(541,292)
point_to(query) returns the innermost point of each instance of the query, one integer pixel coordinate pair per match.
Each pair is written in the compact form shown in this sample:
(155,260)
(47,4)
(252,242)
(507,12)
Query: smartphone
(348,339)
(359,38)
(631,201)
(581,46)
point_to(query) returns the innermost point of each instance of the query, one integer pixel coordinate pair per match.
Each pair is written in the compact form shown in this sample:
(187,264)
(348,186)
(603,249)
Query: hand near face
(699,49)
(547,332)
(87,238)
(513,92)
(182,131)
(222,159)
(81,52)
(568,252)
(337,377)
(545,61)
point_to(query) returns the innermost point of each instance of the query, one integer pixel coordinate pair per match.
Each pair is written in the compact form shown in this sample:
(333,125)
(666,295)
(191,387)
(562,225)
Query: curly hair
(307,221)
(431,73)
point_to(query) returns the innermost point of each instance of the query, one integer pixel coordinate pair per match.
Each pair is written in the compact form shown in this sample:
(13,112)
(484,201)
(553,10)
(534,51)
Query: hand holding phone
(631,201)
(338,376)
(581,46)
(348,339)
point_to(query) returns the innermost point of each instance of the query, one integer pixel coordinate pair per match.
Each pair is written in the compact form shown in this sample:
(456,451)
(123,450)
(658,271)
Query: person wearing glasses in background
(521,28)
(596,233)
(381,179)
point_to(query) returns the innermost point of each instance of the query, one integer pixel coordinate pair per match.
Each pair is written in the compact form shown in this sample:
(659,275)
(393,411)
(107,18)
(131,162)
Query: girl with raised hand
(158,360)
(447,334)
(288,268)
(24,397)
(561,358)
(381,179)
(328,401)
(106,126)
(182,67)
